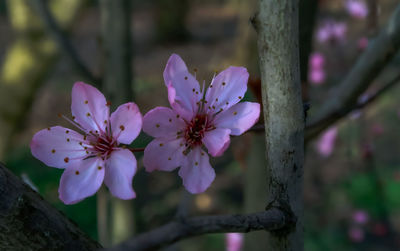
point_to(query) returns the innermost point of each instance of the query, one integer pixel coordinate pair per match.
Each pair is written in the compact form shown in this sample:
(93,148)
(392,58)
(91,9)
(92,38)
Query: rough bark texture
(277,27)
(379,52)
(272,219)
(27,222)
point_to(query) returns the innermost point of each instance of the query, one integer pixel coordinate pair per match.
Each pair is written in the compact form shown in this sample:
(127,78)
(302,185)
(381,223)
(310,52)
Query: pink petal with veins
(120,169)
(126,123)
(217,141)
(164,155)
(163,122)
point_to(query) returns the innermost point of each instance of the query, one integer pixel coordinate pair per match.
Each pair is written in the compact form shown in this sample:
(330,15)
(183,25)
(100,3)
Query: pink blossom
(356,8)
(362,43)
(233,241)
(317,77)
(326,142)
(317,60)
(95,155)
(356,234)
(198,118)
(331,31)
(360,217)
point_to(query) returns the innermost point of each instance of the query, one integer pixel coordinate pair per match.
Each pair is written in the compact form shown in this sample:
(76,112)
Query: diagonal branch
(273,219)
(62,41)
(378,54)
(29,222)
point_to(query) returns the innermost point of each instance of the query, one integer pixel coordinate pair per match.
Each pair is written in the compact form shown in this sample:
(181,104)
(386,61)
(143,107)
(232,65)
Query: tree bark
(278,46)
(27,222)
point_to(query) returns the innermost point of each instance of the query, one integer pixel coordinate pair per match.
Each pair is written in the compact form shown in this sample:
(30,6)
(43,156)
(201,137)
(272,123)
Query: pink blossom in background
(331,31)
(360,217)
(316,74)
(95,155)
(356,234)
(326,143)
(316,77)
(199,117)
(317,60)
(356,8)
(234,241)
(362,43)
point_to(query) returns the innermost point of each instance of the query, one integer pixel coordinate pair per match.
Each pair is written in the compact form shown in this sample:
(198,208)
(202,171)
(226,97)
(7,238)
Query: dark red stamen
(196,128)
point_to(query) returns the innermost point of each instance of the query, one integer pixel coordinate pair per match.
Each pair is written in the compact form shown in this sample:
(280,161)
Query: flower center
(196,128)
(103,145)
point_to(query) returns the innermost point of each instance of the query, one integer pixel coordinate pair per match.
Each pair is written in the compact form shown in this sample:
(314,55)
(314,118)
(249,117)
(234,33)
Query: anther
(157,125)
(197,92)
(240,97)
(202,154)
(48,128)
(177,115)
(66,159)
(108,103)
(105,122)
(234,113)
(53,151)
(227,103)
(99,167)
(86,101)
(216,100)
(196,163)
(161,144)
(122,127)
(88,114)
(67,139)
(77,172)
(223,83)
(169,158)
(186,78)
(73,117)
(194,90)
(170,120)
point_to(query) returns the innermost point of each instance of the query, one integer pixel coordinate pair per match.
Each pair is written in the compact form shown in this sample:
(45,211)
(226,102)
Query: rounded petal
(217,141)
(197,173)
(183,88)
(239,118)
(89,106)
(227,88)
(81,180)
(126,123)
(162,122)
(58,146)
(164,155)
(120,169)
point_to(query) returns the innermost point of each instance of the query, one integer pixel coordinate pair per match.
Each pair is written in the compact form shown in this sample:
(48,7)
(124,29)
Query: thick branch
(62,41)
(272,219)
(29,222)
(380,51)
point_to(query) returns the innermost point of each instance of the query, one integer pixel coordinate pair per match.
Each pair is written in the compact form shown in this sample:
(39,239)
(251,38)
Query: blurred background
(352,170)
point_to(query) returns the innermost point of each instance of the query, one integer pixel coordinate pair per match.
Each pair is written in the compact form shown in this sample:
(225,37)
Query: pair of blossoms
(199,118)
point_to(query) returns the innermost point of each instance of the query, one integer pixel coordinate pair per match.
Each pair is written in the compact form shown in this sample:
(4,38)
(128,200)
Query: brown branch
(29,222)
(273,219)
(378,54)
(62,41)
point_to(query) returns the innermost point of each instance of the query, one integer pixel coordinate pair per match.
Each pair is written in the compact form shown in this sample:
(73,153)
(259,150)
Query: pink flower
(198,117)
(331,31)
(317,77)
(317,60)
(356,8)
(356,234)
(360,217)
(316,73)
(233,241)
(326,142)
(95,156)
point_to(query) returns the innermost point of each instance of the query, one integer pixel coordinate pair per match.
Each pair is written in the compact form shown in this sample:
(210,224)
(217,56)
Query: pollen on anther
(53,151)
(105,122)
(202,154)
(170,120)
(73,117)
(177,115)
(194,90)
(180,144)
(227,103)
(67,131)
(87,152)
(86,101)
(67,139)
(66,159)
(157,125)
(122,127)
(48,129)
(84,137)
(85,147)
(99,167)
(216,100)
(240,97)
(221,109)
(196,163)
(169,158)
(161,144)
(77,172)
(186,77)
(234,113)
(211,86)
(213,107)
(88,114)
(197,92)
(223,83)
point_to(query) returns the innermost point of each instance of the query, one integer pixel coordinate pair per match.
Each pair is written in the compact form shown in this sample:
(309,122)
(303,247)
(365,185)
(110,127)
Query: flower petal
(196,172)
(81,180)
(126,123)
(120,169)
(89,106)
(227,88)
(217,141)
(183,88)
(239,118)
(162,122)
(58,146)
(164,155)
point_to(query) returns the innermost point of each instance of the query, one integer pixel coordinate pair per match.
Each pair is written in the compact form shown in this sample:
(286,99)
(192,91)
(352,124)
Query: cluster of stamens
(196,128)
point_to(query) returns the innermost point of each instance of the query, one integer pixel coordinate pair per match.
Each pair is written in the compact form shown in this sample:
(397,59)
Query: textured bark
(378,54)
(27,222)
(117,87)
(277,27)
(272,219)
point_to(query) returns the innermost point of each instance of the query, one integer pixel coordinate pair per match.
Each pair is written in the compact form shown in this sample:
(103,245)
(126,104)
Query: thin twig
(62,41)
(273,219)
